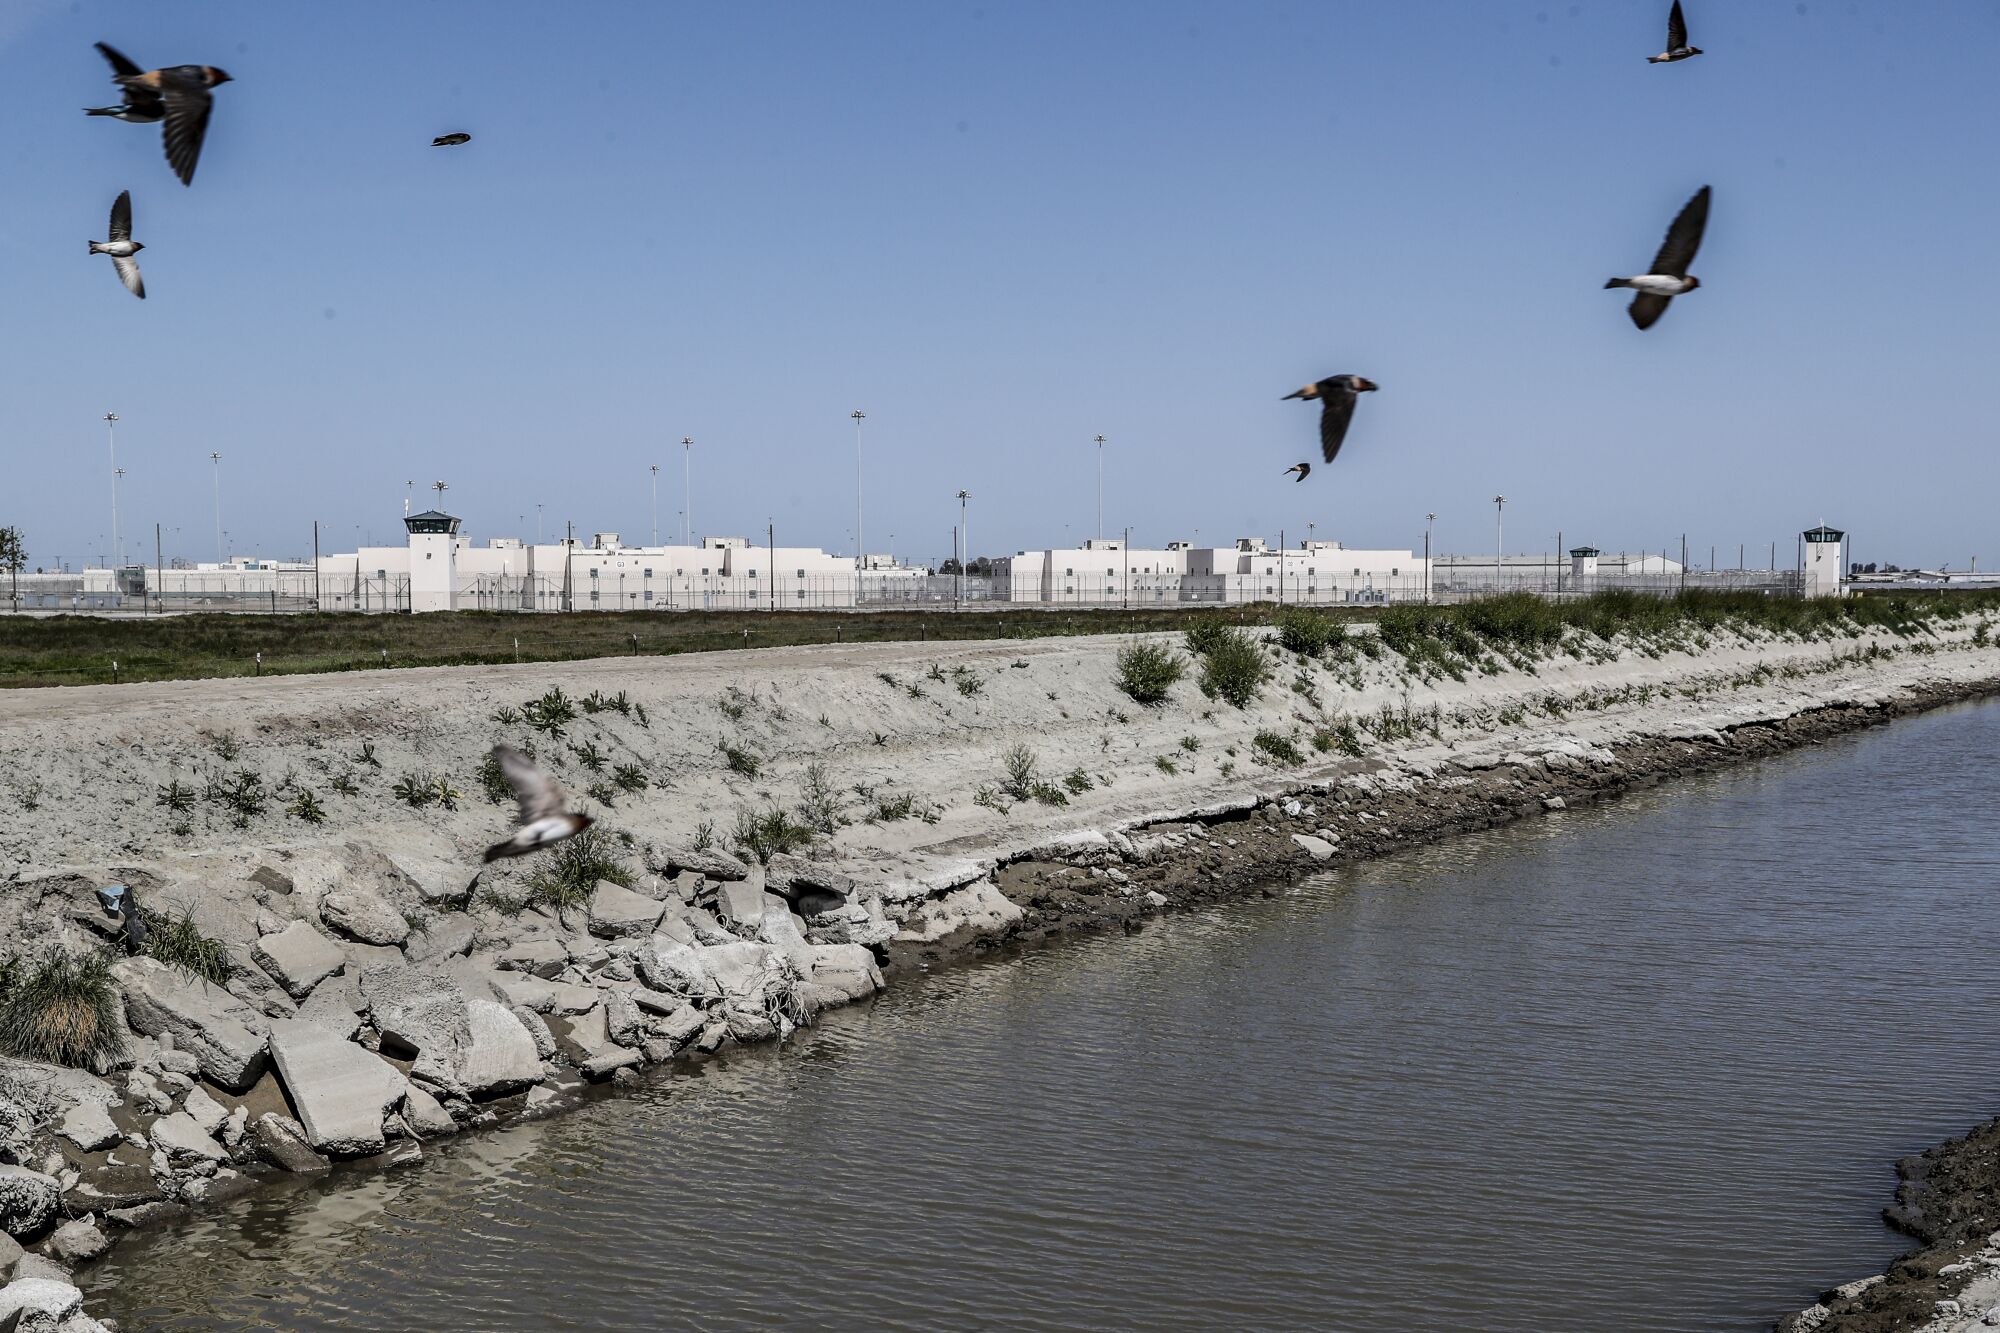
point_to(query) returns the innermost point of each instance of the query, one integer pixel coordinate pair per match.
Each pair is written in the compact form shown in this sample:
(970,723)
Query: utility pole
(117,541)
(1100,486)
(965,538)
(1500,541)
(1281,565)
(111,434)
(860,543)
(1428,520)
(159,573)
(1684,562)
(315,565)
(656,503)
(771,546)
(1559,563)
(1127,553)
(687,494)
(215,460)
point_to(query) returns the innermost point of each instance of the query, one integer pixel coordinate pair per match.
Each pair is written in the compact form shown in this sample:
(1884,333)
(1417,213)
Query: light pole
(687,495)
(215,461)
(656,504)
(111,433)
(1499,539)
(538,525)
(117,543)
(964,542)
(860,545)
(440,488)
(1428,520)
(1100,486)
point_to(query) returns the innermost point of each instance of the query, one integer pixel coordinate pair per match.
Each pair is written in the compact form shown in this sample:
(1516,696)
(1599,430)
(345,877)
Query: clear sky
(1001,229)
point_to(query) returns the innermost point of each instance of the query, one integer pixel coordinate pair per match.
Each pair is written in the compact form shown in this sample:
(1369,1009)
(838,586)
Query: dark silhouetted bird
(1668,277)
(1677,40)
(1336,396)
(450,140)
(121,247)
(544,818)
(141,107)
(1303,469)
(178,95)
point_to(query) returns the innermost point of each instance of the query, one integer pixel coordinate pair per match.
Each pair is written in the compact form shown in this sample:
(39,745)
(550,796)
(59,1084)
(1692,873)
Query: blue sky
(1001,229)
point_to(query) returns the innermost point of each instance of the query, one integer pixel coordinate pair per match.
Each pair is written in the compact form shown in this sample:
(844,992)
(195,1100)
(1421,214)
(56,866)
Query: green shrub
(741,760)
(178,942)
(820,803)
(589,756)
(572,870)
(305,806)
(1205,633)
(1078,781)
(1021,764)
(1166,765)
(1234,668)
(629,777)
(765,834)
(550,713)
(1308,632)
(493,780)
(1277,749)
(177,798)
(61,1008)
(1148,671)
(241,793)
(416,790)
(1049,794)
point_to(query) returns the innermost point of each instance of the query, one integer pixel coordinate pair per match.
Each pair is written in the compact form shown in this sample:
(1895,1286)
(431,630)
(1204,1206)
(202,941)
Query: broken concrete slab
(298,958)
(979,907)
(499,1056)
(282,1141)
(88,1125)
(341,1091)
(364,915)
(226,1035)
(617,912)
(184,1139)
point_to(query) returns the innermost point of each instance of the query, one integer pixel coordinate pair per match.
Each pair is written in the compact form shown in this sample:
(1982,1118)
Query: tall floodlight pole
(111,433)
(1100,486)
(440,488)
(860,545)
(965,542)
(656,504)
(687,494)
(117,542)
(1499,539)
(538,525)
(1428,520)
(215,461)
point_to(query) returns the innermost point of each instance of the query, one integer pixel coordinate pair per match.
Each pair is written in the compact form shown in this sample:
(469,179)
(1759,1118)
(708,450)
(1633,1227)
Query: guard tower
(1825,567)
(433,560)
(1583,567)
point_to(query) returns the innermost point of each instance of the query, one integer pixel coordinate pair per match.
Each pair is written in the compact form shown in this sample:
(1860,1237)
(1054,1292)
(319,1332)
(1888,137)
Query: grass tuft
(60,1008)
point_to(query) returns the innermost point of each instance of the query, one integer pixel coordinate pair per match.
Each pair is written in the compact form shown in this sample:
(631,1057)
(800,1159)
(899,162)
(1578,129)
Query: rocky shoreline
(375,999)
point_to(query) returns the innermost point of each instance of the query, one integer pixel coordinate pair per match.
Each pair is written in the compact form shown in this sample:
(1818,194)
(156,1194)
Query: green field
(81,650)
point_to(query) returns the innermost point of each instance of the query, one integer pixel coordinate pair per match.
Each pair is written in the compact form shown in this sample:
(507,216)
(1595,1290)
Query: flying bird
(544,819)
(450,140)
(140,106)
(121,247)
(1336,395)
(1668,277)
(178,95)
(1677,40)
(1303,469)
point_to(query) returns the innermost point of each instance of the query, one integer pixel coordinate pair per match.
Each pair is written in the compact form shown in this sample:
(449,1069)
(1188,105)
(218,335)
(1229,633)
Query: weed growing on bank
(571,872)
(1147,672)
(60,1008)
(178,942)
(1233,667)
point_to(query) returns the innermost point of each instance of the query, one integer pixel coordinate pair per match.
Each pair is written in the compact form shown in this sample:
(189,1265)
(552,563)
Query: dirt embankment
(380,987)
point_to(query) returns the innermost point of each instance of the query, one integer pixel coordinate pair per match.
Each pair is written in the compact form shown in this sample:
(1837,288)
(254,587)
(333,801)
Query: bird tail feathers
(96,249)
(1609,283)
(102,110)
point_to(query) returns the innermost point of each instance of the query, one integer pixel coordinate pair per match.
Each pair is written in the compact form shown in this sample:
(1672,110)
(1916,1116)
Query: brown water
(1644,1067)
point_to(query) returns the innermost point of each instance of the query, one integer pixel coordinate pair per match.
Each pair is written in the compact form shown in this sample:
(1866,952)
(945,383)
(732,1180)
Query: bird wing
(1647,308)
(1336,411)
(188,105)
(537,792)
(121,216)
(1677,28)
(128,273)
(1683,238)
(120,66)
